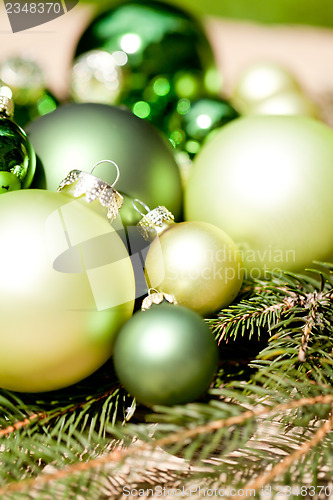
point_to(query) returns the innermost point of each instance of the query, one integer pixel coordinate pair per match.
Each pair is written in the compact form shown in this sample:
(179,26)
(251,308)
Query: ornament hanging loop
(154,221)
(136,200)
(92,189)
(113,163)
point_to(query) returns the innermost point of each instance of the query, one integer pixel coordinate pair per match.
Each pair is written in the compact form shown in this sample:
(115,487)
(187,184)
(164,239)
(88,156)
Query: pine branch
(118,455)
(287,385)
(281,467)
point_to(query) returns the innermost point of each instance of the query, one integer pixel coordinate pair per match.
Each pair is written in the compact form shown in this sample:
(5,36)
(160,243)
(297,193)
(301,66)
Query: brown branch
(177,437)
(278,469)
(37,417)
(307,330)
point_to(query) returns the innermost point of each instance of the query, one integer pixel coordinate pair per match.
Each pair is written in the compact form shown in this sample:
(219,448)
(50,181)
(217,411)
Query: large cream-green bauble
(66,289)
(77,136)
(197,263)
(268,183)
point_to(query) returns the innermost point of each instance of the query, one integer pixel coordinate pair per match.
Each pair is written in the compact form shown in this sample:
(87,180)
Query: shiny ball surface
(17,157)
(269,180)
(166,355)
(193,123)
(162,53)
(78,135)
(196,262)
(66,289)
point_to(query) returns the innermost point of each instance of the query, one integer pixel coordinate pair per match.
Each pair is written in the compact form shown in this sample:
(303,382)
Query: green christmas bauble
(196,262)
(166,355)
(79,135)
(26,86)
(145,55)
(269,180)
(66,289)
(192,123)
(17,157)
(261,81)
(271,89)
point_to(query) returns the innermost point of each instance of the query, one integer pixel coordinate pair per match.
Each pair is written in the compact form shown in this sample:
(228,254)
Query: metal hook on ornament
(113,163)
(136,200)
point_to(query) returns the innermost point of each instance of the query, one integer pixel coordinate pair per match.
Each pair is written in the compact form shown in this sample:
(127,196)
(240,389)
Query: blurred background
(298,35)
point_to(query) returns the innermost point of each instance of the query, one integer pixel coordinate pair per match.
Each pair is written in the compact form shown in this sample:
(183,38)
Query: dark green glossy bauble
(77,136)
(161,52)
(17,157)
(192,123)
(166,355)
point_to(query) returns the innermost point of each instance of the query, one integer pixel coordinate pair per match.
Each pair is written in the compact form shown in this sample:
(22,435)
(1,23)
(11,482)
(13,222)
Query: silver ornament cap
(156,297)
(154,222)
(94,190)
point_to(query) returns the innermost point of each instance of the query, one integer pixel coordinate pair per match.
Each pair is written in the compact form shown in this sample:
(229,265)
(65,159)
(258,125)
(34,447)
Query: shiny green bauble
(17,157)
(159,54)
(192,123)
(269,180)
(66,289)
(196,262)
(166,355)
(76,136)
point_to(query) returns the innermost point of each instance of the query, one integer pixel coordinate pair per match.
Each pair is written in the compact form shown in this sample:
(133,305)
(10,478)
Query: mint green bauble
(166,355)
(77,136)
(66,289)
(268,183)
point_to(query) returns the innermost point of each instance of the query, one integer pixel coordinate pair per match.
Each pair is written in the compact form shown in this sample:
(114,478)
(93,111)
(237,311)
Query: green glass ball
(271,89)
(66,289)
(192,122)
(77,136)
(261,81)
(166,355)
(160,52)
(198,263)
(17,157)
(269,182)
(25,82)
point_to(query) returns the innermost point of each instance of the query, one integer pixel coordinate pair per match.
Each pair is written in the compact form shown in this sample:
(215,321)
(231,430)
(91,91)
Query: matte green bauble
(288,103)
(271,89)
(145,55)
(66,289)
(166,355)
(192,123)
(261,81)
(269,182)
(17,156)
(79,135)
(196,262)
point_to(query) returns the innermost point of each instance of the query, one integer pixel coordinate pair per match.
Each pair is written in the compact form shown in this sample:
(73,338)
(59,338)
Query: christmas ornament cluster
(147,186)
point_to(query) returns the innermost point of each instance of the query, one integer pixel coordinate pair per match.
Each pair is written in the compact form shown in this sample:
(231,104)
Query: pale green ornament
(269,181)
(66,289)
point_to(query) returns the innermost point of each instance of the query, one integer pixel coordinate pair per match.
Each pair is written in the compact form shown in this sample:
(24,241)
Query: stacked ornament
(80,255)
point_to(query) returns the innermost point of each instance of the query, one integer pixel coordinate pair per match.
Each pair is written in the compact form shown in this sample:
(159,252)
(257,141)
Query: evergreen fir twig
(226,439)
